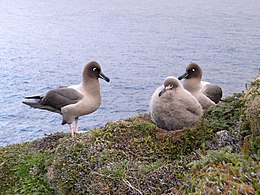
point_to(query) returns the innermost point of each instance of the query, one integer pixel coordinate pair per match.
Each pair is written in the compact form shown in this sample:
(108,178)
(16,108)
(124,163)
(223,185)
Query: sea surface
(45,44)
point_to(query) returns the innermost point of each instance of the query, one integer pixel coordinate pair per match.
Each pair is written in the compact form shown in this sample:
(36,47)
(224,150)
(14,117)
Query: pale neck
(191,84)
(91,86)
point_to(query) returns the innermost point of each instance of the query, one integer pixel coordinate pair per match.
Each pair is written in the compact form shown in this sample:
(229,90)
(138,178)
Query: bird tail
(34,97)
(38,104)
(34,104)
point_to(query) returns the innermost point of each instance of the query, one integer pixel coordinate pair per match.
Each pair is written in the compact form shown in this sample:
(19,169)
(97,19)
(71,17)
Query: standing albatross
(75,100)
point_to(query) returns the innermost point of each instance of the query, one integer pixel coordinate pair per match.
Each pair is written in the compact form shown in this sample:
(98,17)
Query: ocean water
(44,44)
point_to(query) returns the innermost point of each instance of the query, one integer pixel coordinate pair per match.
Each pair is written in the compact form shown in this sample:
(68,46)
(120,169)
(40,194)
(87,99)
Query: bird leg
(71,130)
(76,125)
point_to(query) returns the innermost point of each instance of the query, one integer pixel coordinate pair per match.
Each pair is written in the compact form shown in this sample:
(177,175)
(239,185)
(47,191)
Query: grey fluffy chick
(172,107)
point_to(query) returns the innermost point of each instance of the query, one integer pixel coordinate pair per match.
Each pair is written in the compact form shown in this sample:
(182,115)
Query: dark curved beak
(183,76)
(102,76)
(162,92)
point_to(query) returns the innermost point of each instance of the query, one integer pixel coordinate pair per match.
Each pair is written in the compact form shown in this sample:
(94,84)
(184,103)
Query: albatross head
(170,83)
(93,70)
(193,70)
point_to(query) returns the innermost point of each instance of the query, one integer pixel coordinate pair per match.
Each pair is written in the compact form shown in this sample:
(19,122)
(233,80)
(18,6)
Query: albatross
(207,94)
(75,100)
(172,107)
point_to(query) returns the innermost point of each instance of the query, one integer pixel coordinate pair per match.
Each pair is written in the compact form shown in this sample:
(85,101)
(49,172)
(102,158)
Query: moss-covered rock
(252,106)
(251,119)
(136,157)
(223,172)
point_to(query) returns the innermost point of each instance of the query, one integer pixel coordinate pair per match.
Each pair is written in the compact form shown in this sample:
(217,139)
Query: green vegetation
(219,155)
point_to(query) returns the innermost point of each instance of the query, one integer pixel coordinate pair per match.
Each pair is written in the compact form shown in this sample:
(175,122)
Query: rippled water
(44,44)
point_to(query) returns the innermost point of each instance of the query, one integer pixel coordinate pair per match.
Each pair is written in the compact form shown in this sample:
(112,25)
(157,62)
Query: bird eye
(193,70)
(94,69)
(171,85)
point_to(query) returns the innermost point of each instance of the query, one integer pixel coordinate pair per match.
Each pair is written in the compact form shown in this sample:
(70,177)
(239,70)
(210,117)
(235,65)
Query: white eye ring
(94,69)
(171,85)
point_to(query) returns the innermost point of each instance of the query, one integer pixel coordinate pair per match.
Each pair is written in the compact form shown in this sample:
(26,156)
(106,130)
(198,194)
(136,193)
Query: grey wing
(194,110)
(213,92)
(192,105)
(61,97)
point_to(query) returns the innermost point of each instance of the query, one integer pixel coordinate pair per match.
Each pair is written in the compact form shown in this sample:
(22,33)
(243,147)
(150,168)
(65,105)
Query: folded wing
(55,99)
(213,92)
